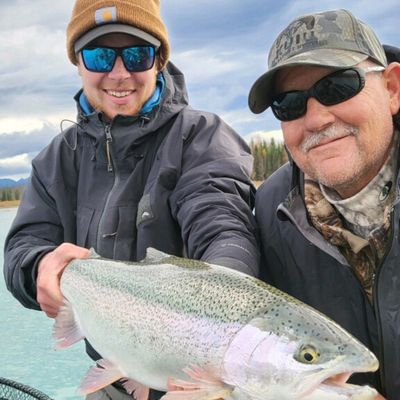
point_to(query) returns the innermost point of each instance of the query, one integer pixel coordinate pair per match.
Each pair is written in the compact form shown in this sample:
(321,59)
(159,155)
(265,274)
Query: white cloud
(264,136)
(16,166)
(10,125)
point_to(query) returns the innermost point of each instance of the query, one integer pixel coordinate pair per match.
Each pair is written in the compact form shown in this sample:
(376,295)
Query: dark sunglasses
(331,89)
(135,58)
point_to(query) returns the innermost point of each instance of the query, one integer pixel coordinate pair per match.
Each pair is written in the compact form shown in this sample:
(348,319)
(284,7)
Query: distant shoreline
(9,204)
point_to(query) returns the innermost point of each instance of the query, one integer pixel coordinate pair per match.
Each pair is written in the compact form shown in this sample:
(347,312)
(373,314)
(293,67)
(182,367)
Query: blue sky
(221,46)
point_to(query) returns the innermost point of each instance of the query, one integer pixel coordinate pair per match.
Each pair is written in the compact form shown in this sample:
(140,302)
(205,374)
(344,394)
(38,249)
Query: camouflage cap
(333,39)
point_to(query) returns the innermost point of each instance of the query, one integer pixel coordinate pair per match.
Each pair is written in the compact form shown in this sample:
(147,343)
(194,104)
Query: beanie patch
(105,15)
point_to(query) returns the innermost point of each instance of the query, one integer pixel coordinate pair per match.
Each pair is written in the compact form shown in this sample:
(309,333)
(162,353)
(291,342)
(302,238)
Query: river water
(25,342)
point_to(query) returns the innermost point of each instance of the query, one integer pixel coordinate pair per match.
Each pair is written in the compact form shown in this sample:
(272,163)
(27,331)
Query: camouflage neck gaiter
(365,211)
(343,231)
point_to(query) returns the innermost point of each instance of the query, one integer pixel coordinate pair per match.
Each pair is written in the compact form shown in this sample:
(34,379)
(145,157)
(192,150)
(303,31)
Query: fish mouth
(337,385)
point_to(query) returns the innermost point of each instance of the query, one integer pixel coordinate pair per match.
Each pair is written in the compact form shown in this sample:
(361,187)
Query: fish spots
(188,263)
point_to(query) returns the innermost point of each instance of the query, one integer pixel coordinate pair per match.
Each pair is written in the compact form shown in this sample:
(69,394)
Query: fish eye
(307,354)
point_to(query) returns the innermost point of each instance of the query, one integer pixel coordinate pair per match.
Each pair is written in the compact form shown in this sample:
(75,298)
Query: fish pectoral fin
(205,387)
(66,329)
(139,391)
(96,378)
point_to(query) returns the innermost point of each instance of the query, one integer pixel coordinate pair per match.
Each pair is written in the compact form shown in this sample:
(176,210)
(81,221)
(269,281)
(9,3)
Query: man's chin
(121,110)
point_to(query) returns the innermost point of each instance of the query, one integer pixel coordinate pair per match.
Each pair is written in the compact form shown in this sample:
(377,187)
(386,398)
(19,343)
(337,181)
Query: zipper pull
(108,143)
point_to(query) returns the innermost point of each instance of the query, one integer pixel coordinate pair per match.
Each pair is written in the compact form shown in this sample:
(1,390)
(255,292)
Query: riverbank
(8,204)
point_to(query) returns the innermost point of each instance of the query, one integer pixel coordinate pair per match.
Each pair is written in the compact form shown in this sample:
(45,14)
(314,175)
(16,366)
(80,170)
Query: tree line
(268,157)
(11,193)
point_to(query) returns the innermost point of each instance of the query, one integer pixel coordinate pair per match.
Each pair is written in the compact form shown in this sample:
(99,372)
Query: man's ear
(392,77)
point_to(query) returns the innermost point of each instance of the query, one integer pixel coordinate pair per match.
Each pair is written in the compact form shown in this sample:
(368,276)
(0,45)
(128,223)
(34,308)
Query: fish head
(297,353)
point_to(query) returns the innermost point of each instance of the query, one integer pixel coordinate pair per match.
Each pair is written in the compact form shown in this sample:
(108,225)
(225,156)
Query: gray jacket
(176,179)
(297,259)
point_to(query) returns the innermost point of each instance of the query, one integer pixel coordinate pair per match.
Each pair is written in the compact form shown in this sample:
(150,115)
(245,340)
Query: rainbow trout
(215,331)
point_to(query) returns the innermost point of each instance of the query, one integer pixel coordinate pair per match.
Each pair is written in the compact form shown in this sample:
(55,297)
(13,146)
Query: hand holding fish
(50,269)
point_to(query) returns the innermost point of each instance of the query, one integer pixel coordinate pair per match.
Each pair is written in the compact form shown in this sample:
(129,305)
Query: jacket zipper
(111,167)
(376,308)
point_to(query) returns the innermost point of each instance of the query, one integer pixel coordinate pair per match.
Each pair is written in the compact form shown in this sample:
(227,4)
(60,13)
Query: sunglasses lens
(332,89)
(99,59)
(138,59)
(288,106)
(338,87)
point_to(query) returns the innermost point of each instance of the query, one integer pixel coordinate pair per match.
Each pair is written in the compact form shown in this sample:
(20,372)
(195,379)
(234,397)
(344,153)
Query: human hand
(379,397)
(50,269)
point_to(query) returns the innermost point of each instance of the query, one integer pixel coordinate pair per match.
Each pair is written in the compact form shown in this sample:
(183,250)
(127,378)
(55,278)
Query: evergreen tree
(268,157)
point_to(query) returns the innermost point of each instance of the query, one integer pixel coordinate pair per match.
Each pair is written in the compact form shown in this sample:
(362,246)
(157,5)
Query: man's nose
(119,72)
(317,116)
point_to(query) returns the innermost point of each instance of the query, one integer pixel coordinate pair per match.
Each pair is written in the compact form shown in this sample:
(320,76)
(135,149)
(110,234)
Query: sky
(221,46)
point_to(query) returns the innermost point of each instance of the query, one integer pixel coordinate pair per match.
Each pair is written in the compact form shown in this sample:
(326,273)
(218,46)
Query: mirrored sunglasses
(102,59)
(332,89)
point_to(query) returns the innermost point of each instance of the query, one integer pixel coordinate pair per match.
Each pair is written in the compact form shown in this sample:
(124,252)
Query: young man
(140,169)
(329,220)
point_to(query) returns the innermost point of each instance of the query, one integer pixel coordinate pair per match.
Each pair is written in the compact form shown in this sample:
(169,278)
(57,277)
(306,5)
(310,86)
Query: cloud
(19,143)
(264,136)
(17,166)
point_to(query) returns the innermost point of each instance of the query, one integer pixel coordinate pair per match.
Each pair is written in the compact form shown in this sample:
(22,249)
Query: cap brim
(263,88)
(114,28)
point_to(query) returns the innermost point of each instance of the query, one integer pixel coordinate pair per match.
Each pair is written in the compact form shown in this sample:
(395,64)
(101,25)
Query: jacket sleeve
(38,227)
(213,198)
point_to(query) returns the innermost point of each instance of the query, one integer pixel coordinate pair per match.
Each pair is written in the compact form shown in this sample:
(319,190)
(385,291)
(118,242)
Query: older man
(140,169)
(329,219)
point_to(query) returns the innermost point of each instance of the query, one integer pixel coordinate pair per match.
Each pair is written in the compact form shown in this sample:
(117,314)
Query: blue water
(25,342)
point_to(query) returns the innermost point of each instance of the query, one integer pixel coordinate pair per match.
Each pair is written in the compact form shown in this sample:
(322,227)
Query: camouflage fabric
(337,30)
(363,255)
(365,211)
(333,39)
(357,251)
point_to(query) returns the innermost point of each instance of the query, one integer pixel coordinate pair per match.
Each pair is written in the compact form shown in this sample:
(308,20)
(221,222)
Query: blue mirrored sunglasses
(102,59)
(332,89)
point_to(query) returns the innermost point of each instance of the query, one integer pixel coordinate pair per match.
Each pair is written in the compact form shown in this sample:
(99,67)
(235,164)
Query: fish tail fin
(66,329)
(205,387)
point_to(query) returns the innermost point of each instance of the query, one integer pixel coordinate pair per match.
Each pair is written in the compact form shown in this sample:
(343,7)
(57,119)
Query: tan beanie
(93,18)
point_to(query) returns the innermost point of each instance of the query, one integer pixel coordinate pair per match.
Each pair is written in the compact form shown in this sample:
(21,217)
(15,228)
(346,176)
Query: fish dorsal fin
(153,255)
(93,254)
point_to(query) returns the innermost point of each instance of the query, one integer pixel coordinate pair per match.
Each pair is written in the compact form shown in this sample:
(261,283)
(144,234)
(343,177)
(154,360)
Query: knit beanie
(94,18)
